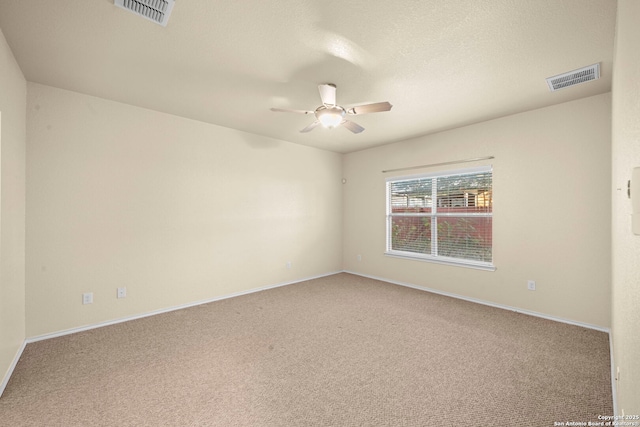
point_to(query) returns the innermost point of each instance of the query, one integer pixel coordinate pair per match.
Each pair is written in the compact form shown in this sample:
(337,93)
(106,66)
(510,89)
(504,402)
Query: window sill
(442,260)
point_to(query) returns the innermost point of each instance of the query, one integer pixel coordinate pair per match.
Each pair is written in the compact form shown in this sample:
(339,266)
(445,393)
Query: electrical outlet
(288,265)
(87,298)
(122,292)
(359,257)
(531,285)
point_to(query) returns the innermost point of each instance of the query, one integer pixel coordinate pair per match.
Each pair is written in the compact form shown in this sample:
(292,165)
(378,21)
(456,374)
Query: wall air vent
(157,11)
(592,72)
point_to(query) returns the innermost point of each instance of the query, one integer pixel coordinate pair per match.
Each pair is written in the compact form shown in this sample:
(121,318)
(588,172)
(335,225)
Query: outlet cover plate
(87,298)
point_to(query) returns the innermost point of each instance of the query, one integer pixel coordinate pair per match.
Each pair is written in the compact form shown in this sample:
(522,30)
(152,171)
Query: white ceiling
(441,63)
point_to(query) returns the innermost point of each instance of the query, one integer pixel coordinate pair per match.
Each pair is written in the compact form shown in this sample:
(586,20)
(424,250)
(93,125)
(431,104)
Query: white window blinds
(445,217)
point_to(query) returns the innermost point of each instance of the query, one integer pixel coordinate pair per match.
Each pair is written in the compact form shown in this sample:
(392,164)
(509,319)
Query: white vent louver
(157,11)
(581,75)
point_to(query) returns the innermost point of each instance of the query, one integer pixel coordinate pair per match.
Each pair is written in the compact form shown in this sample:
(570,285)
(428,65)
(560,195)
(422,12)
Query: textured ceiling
(441,63)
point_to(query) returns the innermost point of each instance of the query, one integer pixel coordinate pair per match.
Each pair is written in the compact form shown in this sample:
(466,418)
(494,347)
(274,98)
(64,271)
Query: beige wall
(626,246)
(178,211)
(12,208)
(551,191)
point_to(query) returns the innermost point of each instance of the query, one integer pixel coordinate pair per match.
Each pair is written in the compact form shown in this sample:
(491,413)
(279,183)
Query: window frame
(435,258)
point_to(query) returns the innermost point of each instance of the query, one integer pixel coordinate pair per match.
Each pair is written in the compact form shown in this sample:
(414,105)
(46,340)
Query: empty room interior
(319,213)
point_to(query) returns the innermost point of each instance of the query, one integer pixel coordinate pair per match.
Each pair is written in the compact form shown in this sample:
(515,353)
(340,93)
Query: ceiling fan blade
(352,126)
(370,108)
(328,93)
(288,110)
(311,127)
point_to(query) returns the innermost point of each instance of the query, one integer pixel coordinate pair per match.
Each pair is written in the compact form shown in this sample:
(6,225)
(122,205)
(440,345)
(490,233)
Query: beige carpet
(337,351)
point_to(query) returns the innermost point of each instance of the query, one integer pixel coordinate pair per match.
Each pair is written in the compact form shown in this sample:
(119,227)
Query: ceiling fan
(331,115)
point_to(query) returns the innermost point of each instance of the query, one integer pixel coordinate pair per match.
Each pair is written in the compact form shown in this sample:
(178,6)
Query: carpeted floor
(342,350)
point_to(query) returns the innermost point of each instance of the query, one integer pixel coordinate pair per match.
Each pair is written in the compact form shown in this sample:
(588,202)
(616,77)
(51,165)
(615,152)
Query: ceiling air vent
(157,11)
(592,72)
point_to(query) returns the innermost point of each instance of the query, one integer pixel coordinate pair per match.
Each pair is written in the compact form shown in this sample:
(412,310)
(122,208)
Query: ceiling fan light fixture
(330,117)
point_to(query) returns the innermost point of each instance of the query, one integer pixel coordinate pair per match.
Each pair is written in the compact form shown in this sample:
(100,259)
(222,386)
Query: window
(444,217)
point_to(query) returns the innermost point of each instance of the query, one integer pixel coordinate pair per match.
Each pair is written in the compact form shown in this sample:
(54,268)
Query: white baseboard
(166,310)
(6,378)
(614,386)
(5,381)
(491,304)
(264,288)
